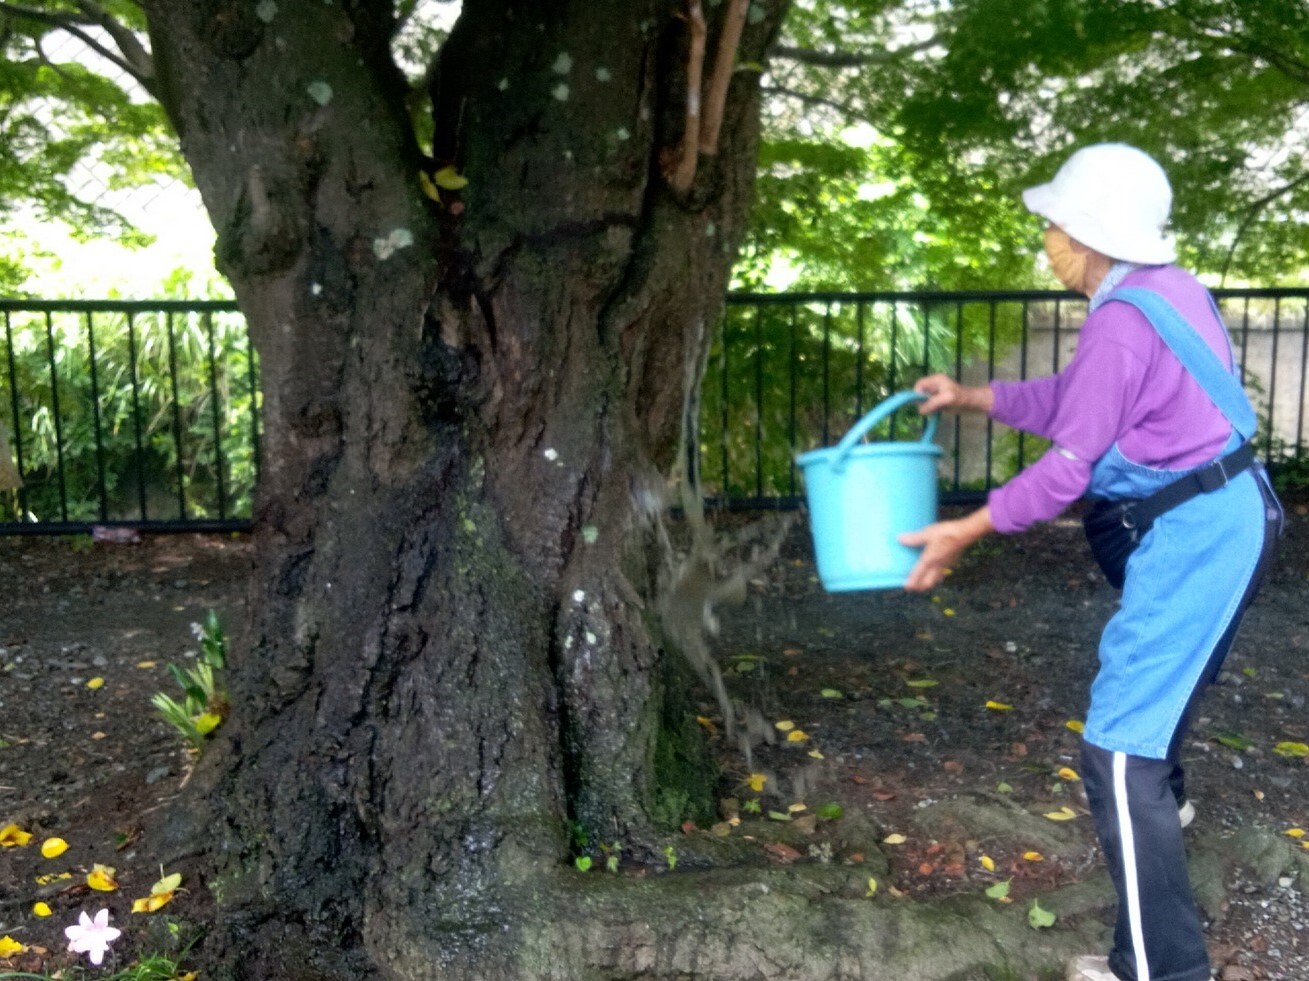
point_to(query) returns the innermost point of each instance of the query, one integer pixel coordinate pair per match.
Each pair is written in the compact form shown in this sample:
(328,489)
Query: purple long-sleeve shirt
(1123,385)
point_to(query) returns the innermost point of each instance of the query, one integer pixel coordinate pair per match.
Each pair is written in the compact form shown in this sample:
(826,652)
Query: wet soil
(924,717)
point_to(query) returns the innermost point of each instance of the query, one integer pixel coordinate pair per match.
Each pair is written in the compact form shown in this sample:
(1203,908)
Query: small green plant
(670,856)
(204,702)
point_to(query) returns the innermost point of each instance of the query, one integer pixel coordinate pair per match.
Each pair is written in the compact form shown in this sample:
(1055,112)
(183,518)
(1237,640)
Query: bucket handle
(876,415)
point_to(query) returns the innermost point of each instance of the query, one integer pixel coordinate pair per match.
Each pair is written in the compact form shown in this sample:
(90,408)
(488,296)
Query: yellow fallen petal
(796,736)
(872,888)
(1292,749)
(784,726)
(817,755)
(1068,773)
(1034,856)
(53,847)
(101,878)
(12,836)
(148,904)
(146,665)
(995,706)
(948,612)
(1063,814)
(796,808)
(95,683)
(756,781)
(9,947)
(1295,832)
(894,839)
(988,863)
(41,909)
(1075,726)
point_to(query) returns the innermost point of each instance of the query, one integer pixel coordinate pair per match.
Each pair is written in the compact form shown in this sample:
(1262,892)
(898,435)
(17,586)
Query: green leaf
(1292,750)
(1000,890)
(583,863)
(831,693)
(831,811)
(1039,917)
(1234,741)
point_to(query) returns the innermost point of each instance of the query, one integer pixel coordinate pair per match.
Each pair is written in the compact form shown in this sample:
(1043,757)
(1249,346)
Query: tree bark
(473,410)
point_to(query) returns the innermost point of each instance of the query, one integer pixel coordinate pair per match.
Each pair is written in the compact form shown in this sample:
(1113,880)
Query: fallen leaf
(779,815)
(95,683)
(988,863)
(1064,813)
(1075,726)
(450,179)
(1000,890)
(707,724)
(894,839)
(872,888)
(926,868)
(1039,917)
(146,665)
(922,683)
(831,693)
(781,853)
(1292,750)
(166,884)
(817,755)
(784,726)
(1295,832)
(41,909)
(756,781)
(1067,773)
(1034,856)
(796,736)
(952,766)
(995,706)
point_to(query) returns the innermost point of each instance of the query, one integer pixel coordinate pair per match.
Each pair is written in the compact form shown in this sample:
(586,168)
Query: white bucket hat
(1112,197)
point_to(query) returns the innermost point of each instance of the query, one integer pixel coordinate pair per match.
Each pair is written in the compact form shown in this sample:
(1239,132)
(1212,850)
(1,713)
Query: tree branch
(849,59)
(76,27)
(133,51)
(1253,212)
(813,100)
(688,152)
(715,102)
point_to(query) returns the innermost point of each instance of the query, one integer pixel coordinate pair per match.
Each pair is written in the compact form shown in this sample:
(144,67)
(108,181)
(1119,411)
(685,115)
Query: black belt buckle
(1212,477)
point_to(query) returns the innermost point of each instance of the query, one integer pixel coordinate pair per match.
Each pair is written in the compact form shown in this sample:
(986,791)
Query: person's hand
(943,392)
(942,544)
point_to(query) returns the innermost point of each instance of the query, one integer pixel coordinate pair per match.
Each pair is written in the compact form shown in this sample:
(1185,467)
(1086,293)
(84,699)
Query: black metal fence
(793,372)
(144,415)
(147,415)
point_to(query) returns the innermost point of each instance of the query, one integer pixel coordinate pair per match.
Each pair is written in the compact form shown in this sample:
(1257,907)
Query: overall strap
(1222,386)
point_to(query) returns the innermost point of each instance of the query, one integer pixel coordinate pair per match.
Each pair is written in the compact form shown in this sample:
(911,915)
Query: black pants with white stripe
(1134,800)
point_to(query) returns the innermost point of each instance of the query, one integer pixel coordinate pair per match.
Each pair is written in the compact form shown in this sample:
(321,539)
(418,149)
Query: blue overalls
(1187,585)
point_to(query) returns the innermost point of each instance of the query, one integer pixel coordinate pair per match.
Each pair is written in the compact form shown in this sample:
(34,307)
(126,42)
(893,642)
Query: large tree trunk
(473,410)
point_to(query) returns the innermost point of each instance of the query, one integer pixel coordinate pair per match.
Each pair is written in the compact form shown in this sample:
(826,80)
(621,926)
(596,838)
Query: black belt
(1141,514)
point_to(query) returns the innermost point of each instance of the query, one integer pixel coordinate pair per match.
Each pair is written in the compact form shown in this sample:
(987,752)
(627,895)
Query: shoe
(1186,813)
(1090,968)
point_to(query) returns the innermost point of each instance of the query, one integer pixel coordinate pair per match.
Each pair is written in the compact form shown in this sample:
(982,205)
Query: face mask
(1068,265)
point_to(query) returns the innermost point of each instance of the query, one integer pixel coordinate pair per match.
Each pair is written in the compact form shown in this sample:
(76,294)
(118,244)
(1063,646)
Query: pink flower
(92,937)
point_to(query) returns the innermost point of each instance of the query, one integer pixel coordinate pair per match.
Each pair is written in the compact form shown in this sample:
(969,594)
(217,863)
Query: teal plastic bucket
(862,497)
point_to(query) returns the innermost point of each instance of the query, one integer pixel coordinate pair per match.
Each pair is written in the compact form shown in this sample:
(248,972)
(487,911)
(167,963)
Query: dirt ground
(889,693)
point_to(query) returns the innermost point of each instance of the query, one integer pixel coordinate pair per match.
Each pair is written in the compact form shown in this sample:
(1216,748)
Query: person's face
(1068,258)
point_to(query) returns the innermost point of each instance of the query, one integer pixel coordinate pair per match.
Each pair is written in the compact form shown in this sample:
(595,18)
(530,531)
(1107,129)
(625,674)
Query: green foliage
(963,104)
(163,401)
(65,112)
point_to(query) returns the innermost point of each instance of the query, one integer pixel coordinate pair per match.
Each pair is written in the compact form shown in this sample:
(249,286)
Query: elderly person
(1149,401)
